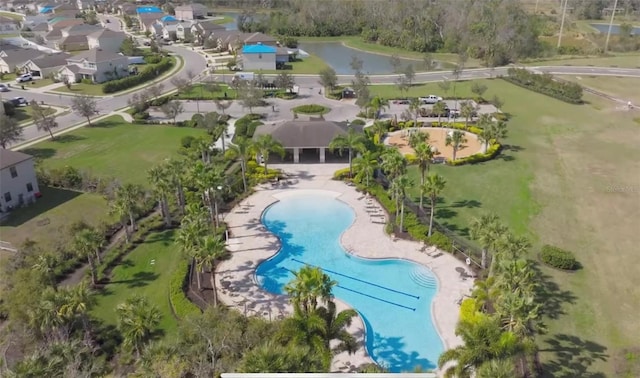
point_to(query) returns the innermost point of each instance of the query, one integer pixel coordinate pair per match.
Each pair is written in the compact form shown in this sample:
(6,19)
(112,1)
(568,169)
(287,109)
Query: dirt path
(75,277)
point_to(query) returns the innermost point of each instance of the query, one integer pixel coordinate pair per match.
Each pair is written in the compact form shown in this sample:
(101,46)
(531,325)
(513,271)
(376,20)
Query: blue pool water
(392,296)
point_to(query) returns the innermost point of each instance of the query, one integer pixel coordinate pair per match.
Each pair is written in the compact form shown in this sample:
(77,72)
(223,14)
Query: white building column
(296,155)
(322,157)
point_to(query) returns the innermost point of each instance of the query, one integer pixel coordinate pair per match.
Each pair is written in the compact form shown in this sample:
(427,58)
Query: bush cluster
(69,177)
(310,109)
(341,174)
(491,153)
(181,305)
(440,240)
(558,258)
(247,125)
(545,84)
(151,72)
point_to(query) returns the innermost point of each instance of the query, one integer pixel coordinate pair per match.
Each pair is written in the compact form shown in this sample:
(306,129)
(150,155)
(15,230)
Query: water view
(615,29)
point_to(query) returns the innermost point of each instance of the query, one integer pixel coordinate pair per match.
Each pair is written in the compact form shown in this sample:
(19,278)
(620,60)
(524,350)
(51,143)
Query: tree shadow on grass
(572,357)
(68,138)
(51,198)
(469,204)
(550,295)
(445,213)
(139,279)
(40,153)
(107,123)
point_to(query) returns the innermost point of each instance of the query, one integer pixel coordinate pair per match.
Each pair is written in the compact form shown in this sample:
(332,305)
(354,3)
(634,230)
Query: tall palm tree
(160,181)
(137,319)
(335,324)
(175,172)
(393,163)
(213,248)
(516,276)
(126,204)
(432,187)
(222,128)
(403,183)
(378,104)
(265,145)
(46,320)
(86,244)
(513,247)
(418,137)
(309,285)
(378,128)
(209,179)
(499,368)
(365,166)
(498,130)
(456,140)
(79,300)
(414,108)
(275,358)
(483,342)
(305,329)
(351,141)
(487,230)
(242,150)
(466,110)
(424,155)
(439,108)
(193,229)
(46,264)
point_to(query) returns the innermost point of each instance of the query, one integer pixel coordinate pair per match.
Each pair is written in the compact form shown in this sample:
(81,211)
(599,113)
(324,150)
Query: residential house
(63,22)
(202,30)
(183,30)
(127,8)
(18,182)
(170,32)
(258,57)
(148,15)
(8,25)
(65,9)
(308,139)
(106,39)
(74,38)
(96,65)
(85,5)
(45,65)
(283,56)
(147,21)
(192,11)
(12,59)
(259,38)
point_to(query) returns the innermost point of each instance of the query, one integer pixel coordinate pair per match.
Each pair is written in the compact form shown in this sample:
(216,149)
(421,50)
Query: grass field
(625,88)
(463,89)
(566,178)
(200,91)
(47,220)
(113,148)
(81,88)
(622,60)
(145,271)
(24,114)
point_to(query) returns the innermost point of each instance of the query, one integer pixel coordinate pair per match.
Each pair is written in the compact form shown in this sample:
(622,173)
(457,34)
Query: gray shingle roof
(9,158)
(53,60)
(95,56)
(21,56)
(304,134)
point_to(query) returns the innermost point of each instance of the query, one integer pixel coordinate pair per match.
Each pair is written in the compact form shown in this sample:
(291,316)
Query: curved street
(196,63)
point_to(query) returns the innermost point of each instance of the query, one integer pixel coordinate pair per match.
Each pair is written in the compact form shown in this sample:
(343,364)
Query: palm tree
(137,318)
(350,141)
(309,285)
(456,140)
(403,183)
(160,180)
(378,128)
(46,264)
(79,300)
(365,166)
(193,229)
(305,329)
(242,150)
(126,204)
(414,108)
(439,108)
(424,155)
(432,187)
(513,247)
(175,173)
(275,358)
(466,110)
(265,145)
(418,137)
(213,248)
(483,342)
(486,230)
(498,130)
(209,180)
(393,163)
(378,104)
(45,318)
(500,368)
(86,244)
(335,324)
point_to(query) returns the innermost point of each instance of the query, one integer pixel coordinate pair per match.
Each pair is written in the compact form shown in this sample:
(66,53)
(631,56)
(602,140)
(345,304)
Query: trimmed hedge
(151,72)
(545,84)
(310,109)
(558,258)
(181,305)
(358,122)
(341,174)
(491,153)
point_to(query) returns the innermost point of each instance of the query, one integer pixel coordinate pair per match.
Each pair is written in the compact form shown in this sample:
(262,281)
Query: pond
(338,56)
(615,29)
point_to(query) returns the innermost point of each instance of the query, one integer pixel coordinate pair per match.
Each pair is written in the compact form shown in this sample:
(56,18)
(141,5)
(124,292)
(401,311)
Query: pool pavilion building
(307,141)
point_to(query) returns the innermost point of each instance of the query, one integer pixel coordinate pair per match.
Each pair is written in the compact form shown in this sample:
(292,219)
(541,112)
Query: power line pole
(564,13)
(613,15)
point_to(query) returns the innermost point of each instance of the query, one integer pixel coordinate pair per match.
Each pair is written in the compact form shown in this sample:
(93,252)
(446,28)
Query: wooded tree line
(497,31)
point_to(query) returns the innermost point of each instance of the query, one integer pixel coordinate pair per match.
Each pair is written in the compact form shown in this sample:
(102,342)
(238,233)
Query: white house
(45,65)
(258,57)
(18,182)
(96,65)
(12,59)
(106,39)
(191,11)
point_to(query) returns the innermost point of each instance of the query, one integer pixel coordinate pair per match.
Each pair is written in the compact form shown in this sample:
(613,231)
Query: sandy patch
(437,140)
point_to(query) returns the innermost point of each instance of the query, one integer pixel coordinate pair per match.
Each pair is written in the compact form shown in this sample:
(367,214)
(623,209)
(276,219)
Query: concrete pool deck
(250,243)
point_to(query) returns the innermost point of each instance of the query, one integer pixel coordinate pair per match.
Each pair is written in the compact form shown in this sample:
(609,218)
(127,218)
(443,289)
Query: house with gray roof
(106,39)
(96,65)
(307,140)
(45,65)
(191,11)
(11,59)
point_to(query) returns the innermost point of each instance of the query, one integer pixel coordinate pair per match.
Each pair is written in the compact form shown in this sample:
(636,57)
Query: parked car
(430,99)
(24,77)
(4,88)
(19,101)
(401,102)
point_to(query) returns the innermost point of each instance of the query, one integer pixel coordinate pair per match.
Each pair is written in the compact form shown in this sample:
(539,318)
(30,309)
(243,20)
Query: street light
(215,205)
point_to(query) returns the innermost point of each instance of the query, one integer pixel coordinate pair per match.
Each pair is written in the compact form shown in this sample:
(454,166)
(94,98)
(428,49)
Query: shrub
(411,159)
(558,258)
(148,74)
(545,84)
(358,122)
(152,59)
(141,116)
(180,304)
(440,240)
(187,141)
(341,174)
(310,109)
(491,153)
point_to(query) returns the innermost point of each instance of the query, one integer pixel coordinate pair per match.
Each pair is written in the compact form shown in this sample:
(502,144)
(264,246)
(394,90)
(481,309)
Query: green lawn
(24,114)
(565,179)
(46,221)
(308,65)
(145,271)
(223,20)
(81,88)
(463,89)
(38,83)
(8,77)
(113,148)
(200,91)
(622,60)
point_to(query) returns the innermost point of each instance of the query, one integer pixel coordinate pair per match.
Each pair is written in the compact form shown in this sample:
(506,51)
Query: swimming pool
(392,296)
